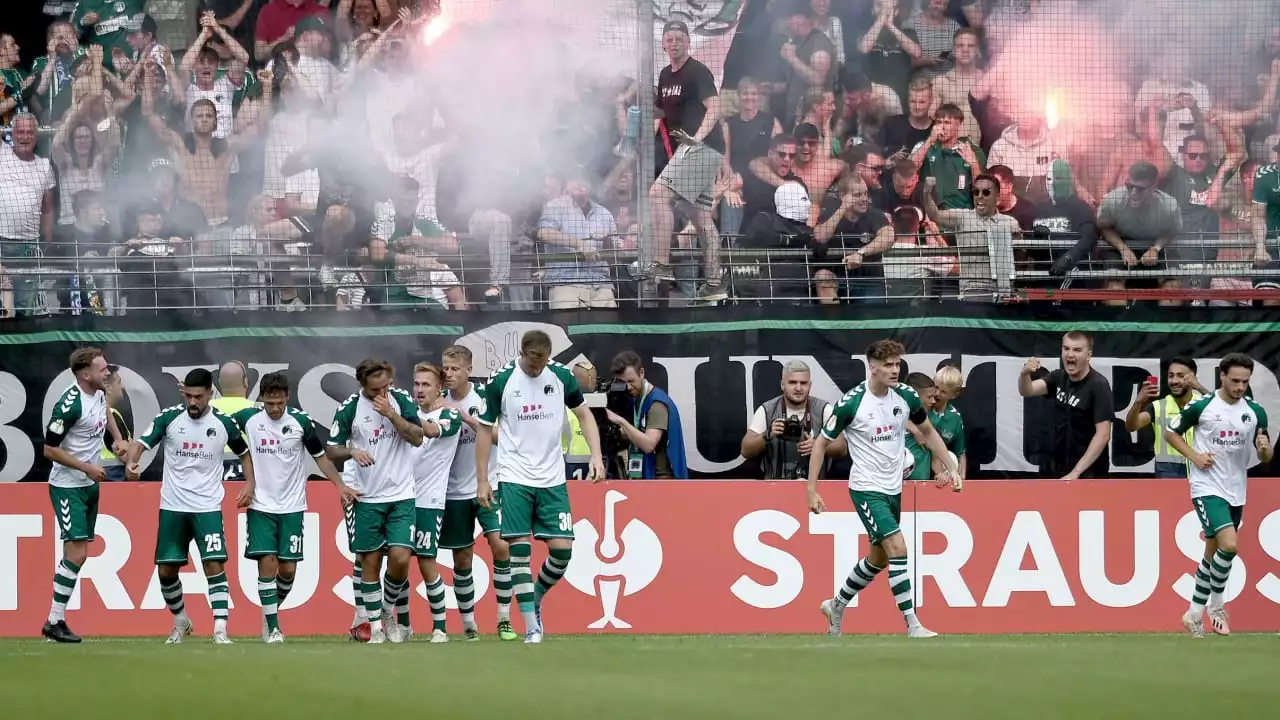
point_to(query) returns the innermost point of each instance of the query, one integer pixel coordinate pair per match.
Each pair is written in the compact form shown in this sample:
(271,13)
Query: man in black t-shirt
(903,189)
(690,135)
(1082,411)
(757,194)
(809,58)
(901,133)
(861,232)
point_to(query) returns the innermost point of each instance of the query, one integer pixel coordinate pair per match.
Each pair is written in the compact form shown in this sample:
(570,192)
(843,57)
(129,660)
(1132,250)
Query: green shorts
(460,518)
(1215,514)
(349,518)
(541,512)
(177,530)
(278,534)
(380,525)
(426,531)
(879,513)
(76,510)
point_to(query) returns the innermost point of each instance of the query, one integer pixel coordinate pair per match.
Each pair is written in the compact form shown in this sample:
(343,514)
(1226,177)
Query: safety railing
(244,275)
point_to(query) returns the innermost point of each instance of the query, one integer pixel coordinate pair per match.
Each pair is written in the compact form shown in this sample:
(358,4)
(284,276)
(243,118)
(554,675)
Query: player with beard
(1082,412)
(1148,410)
(1229,426)
(191,494)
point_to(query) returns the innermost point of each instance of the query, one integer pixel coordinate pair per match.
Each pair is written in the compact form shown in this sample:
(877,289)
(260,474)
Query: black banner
(717,364)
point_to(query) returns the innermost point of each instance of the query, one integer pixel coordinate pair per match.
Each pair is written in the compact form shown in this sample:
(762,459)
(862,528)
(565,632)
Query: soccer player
(1227,425)
(378,428)
(461,509)
(944,388)
(530,395)
(191,496)
(277,435)
(432,460)
(72,442)
(873,417)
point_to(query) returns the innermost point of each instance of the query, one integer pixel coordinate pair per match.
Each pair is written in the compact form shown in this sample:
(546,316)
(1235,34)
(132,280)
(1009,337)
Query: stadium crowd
(295,153)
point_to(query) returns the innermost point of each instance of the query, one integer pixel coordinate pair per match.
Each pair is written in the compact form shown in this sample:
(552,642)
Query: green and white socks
(464,589)
(502,588)
(64,583)
(1211,582)
(219,600)
(269,597)
(522,583)
(553,569)
(900,586)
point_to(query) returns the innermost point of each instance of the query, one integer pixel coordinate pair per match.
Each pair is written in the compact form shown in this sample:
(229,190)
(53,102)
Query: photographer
(656,441)
(783,429)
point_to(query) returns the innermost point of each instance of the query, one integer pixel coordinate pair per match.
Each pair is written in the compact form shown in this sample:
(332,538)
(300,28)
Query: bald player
(233,389)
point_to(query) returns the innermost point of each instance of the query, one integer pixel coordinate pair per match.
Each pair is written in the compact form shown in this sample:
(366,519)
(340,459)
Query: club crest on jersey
(548,389)
(1246,418)
(897,411)
(210,432)
(286,430)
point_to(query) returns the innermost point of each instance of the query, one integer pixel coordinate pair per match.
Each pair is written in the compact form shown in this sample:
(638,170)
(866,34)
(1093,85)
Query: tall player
(432,460)
(873,417)
(461,509)
(277,435)
(1228,426)
(72,442)
(191,496)
(529,396)
(378,428)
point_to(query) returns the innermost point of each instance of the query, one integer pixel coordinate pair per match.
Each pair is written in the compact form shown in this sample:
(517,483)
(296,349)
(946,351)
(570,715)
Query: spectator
(653,432)
(150,277)
(829,25)
(1197,186)
(1015,206)
(356,18)
(276,21)
(82,160)
(410,275)
(908,272)
(1027,147)
(1064,214)
(1082,411)
(818,108)
(88,236)
(867,161)
(758,189)
(108,22)
(315,46)
(1138,221)
(904,190)
(410,156)
(1185,101)
(866,107)
(142,146)
(1161,412)
(27,215)
(142,44)
(204,82)
(953,161)
(809,56)
(782,429)
(182,218)
(53,90)
(574,224)
(817,173)
(864,233)
(14,83)
(936,33)
(986,272)
(265,232)
(891,48)
(955,86)
(751,131)
(690,106)
(901,133)
(60,9)
(290,129)
(203,160)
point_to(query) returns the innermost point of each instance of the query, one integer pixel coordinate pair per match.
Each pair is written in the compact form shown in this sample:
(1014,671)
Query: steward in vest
(1150,409)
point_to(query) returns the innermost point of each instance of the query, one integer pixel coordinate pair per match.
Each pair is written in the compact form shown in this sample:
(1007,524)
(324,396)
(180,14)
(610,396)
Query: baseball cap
(792,201)
(312,22)
(675,25)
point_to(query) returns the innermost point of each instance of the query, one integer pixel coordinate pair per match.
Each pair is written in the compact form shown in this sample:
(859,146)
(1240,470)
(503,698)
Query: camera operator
(783,429)
(654,434)
(577,454)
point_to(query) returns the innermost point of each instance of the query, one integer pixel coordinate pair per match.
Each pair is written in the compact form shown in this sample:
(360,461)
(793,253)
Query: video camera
(617,399)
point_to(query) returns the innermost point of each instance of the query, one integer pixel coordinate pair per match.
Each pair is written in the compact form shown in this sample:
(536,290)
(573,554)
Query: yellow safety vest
(1163,411)
(105,456)
(230,406)
(575,446)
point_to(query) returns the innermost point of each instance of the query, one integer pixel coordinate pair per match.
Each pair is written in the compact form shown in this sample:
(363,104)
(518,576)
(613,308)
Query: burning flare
(1052,106)
(434,29)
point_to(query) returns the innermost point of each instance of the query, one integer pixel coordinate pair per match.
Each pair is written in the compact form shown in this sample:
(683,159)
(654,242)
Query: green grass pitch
(608,677)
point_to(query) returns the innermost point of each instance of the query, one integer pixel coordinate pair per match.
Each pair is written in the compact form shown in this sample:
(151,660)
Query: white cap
(792,201)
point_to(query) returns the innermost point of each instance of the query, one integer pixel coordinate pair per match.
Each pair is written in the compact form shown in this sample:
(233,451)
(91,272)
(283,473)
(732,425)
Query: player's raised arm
(398,407)
(1028,387)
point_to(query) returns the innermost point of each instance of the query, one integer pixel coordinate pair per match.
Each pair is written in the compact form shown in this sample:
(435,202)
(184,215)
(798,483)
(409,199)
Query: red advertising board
(718,557)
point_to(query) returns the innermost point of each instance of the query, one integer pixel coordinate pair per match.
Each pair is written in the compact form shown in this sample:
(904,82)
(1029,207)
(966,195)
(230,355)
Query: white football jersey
(357,425)
(192,478)
(532,412)
(76,426)
(434,458)
(279,449)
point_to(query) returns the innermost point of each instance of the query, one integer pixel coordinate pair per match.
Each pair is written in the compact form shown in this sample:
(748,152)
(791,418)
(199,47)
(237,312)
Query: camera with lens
(617,399)
(793,429)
